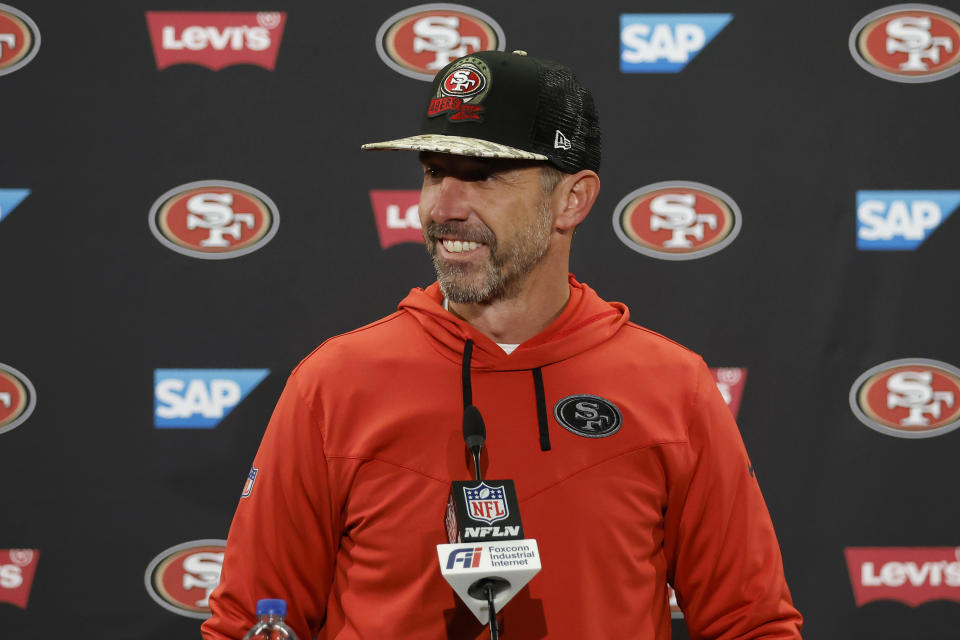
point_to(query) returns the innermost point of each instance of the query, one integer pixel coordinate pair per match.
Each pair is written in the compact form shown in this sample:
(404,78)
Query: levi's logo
(911,575)
(216,39)
(730,381)
(17,567)
(398,216)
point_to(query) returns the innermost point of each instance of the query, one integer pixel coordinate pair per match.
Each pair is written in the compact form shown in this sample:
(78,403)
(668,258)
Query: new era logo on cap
(561,141)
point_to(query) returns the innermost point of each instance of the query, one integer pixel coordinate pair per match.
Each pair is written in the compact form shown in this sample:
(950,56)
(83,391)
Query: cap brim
(455,145)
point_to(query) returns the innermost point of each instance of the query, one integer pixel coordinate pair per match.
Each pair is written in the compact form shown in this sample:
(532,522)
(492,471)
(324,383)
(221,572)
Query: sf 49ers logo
(181,578)
(677,220)
(421,40)
(214,219)
(908,43)
(17,398)
(19,39)
(467,81)
(909,398)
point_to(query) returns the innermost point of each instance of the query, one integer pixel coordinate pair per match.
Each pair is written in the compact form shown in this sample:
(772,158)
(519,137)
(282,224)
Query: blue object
(271,607)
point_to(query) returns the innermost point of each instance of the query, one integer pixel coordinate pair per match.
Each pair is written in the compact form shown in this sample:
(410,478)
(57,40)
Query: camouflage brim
(455,145)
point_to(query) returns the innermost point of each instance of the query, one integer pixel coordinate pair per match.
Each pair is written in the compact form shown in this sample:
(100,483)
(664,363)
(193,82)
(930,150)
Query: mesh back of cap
(565,106)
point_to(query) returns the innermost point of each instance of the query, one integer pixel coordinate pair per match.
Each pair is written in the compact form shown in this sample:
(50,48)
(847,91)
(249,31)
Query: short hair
(550,177)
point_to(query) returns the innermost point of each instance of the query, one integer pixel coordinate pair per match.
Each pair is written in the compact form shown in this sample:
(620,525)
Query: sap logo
(491,532)
(398,216)
(665,43)
(901,220)
(200,398)
(468,558)
(9,199)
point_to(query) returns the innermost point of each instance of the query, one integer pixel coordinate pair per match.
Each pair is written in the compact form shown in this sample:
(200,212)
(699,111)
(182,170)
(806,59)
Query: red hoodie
(355,467)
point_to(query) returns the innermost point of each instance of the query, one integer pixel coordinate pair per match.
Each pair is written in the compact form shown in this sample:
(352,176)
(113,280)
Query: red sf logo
(677,220)
(908,44)
(181,578)
(910,398)
(421,40)
(463,82)
(214,219)
(17,568)
(19,39)
(17,398)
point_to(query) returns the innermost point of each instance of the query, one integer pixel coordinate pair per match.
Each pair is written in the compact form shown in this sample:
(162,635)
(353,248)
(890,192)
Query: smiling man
(629,468)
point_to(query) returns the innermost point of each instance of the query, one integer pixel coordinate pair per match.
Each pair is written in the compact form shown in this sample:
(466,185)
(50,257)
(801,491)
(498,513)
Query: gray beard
(508,266)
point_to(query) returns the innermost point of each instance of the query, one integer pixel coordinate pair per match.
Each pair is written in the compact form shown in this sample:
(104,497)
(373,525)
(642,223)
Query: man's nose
(451,202)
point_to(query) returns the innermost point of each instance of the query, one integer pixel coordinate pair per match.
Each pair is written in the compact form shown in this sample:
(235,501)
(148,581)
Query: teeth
(459,246)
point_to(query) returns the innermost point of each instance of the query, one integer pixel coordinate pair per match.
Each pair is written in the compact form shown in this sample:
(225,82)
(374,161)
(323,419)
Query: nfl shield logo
(248,485)
(485,503)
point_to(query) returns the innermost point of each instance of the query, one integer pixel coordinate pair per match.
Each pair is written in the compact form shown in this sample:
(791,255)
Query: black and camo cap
(493,104)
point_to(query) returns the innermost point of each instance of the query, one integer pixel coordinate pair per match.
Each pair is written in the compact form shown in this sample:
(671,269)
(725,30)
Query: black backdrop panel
(773,111)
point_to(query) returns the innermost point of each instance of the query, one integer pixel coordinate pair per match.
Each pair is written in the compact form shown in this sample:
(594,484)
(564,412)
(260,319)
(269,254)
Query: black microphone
(481,510)
(487,561)
(474,434)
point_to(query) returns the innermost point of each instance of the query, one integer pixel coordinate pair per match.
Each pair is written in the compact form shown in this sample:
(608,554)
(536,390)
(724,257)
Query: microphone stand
(474,434)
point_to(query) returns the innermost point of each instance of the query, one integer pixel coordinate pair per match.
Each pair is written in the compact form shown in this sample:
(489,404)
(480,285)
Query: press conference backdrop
(185,213)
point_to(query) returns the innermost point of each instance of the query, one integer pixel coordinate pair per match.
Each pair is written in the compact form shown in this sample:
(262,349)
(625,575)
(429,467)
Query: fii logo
(9,199)
(665,42)
(901,220)
(200,398)
(468,557)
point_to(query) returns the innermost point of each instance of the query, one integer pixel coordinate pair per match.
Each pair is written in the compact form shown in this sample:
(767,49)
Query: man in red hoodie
(629,469)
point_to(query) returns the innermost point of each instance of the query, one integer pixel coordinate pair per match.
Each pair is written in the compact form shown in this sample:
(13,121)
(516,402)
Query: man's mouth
(460,246)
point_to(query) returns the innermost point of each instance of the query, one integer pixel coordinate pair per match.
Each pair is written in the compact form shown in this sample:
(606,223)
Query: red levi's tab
(216,39)
(397,215)
(17,567)
(911,575)
(730,381)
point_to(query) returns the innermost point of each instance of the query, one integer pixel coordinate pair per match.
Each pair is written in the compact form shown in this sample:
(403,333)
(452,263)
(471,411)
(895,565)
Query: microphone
(474,433)
(487,560)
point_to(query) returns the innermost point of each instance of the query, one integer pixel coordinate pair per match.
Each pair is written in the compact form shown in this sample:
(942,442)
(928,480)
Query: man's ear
(576,193)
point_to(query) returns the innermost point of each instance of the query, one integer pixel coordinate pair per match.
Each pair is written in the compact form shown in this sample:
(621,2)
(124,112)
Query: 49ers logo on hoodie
(214,219)
(677,220)
(909,398)
(588,416)
(216,39)
(908,43)
(180,579)
(421,40)
(19,39)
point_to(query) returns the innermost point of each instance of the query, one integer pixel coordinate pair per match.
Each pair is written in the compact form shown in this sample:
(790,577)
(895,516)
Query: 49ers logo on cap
(908,43)
(909,398)
(214,219)
(677,220)
(421,40)
(180,579)
(467,81)
(17,398)
(19,39)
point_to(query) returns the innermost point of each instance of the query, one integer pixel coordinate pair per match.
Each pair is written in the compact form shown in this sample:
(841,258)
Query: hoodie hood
(586,321)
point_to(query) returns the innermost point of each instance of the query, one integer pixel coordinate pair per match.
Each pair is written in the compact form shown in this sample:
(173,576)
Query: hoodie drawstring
(537,388)
(465,374)
(541,409)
